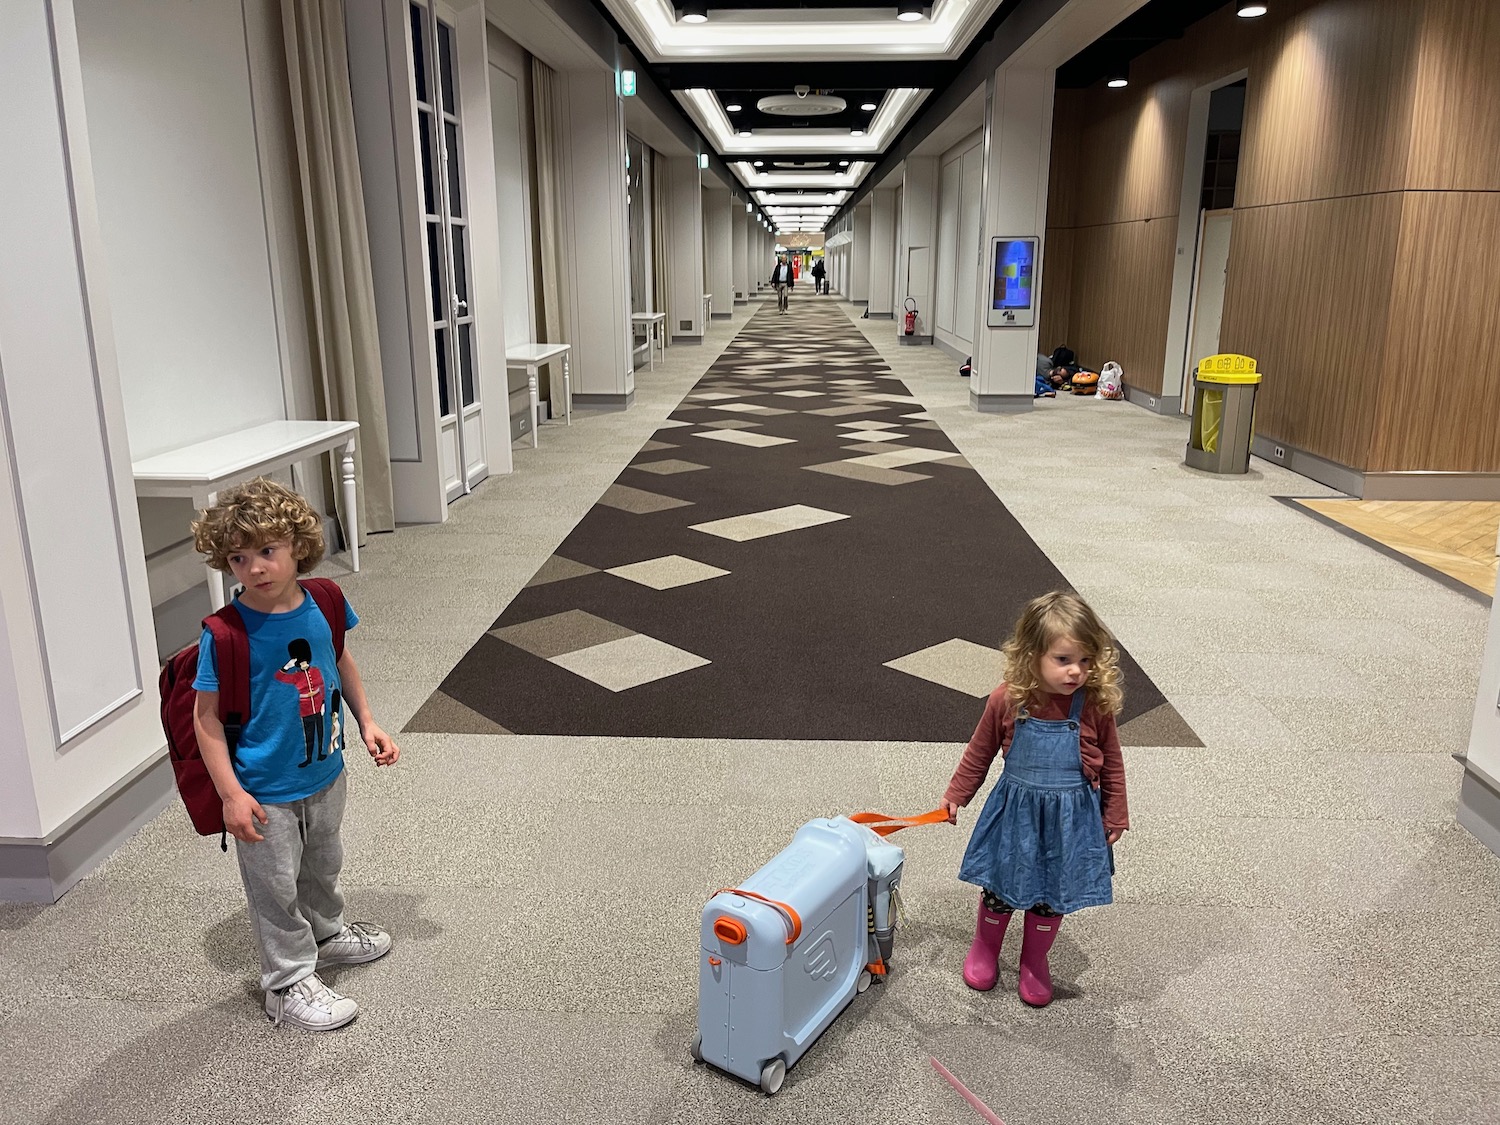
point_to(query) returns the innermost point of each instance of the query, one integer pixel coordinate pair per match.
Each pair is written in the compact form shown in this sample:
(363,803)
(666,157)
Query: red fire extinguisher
(911,317)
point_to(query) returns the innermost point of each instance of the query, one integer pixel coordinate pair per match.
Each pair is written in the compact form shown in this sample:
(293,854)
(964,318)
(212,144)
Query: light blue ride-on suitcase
(784,953)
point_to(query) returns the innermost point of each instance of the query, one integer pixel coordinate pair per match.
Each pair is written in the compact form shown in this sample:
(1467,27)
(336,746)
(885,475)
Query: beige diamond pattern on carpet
(755,525)
(958,664)
(639,502)
(628,662)
(558,569)
(669,467)
(740,437)
(667,572)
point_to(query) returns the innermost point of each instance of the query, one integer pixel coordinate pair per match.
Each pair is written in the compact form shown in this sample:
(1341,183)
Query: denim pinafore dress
(1040,838)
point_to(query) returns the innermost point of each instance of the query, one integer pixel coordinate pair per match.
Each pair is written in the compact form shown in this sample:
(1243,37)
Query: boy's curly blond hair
(251,515)
(1044,621)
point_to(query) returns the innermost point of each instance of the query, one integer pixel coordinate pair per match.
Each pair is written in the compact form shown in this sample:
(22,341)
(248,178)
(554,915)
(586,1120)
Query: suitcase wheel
(772,1075)
(864,980)
(697,1047)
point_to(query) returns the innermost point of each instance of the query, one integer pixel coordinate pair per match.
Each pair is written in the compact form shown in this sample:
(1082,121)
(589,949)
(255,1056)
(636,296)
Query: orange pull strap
(793,921)
(885,825)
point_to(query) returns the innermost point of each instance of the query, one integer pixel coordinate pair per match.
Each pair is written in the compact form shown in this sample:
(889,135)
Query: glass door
(446,230)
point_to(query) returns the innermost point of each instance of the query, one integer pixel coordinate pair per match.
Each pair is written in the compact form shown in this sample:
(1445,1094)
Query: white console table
(200,472)
(655,324)
(533,357)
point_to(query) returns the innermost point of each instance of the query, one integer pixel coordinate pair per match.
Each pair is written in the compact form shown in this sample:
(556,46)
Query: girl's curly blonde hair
(250,516)
(1048,619)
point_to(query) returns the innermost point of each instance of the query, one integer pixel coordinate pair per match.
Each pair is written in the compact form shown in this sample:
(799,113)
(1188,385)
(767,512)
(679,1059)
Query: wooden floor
(1456,538)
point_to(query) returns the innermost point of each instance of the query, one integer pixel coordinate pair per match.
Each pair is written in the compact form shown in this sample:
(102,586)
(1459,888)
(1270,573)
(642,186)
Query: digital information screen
(1013,276)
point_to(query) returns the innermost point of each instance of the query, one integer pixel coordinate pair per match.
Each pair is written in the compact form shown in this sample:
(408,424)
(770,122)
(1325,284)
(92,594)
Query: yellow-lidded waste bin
(1223,414)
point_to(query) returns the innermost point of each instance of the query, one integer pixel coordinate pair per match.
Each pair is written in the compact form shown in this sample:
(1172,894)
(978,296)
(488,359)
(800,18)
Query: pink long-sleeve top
(1098,744)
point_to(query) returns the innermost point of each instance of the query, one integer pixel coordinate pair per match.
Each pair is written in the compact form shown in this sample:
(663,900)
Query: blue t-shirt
(292,747)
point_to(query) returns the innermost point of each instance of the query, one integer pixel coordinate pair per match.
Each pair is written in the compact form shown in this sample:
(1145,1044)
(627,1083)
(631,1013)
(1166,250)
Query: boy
(284,791)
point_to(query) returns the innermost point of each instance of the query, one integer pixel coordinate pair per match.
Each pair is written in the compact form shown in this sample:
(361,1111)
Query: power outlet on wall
(1279,453)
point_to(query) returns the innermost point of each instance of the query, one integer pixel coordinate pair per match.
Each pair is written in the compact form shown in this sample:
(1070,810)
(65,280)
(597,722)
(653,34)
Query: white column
(596,239)
(882,255)
(740,231)
(916,257)
(685,302)
(718,220)
(859,255)
(1479,792)
(1018,146)
(82,762)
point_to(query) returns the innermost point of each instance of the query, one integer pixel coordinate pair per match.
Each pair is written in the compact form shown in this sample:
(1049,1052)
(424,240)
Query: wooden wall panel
(1328,103)
(1308,296)
(1131,150)
(1055,315)
(1121,293)
(1439,402)
(1456,112)
(1064,170)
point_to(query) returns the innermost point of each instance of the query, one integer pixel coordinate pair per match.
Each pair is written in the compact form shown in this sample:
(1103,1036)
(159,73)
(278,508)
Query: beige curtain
(661,241)
(342,292)
(546,163)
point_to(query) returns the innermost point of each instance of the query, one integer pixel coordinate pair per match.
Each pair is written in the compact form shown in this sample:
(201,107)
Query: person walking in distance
(820,277)
(781,280)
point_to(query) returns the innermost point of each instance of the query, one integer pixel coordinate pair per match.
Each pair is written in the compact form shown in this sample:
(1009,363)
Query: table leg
(536,413)
(567,389)
(217,598)
(655,343)
(351,502)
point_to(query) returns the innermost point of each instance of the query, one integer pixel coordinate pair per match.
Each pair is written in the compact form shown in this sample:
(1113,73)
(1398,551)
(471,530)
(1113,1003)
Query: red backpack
(178,699)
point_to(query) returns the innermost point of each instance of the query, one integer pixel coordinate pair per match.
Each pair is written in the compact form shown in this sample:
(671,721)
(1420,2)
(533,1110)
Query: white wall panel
(969,251)
(55,430)
(178,183)
(950,204)
(512,188)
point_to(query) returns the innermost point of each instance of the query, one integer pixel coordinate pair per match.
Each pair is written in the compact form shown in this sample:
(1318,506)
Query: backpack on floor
(179,698)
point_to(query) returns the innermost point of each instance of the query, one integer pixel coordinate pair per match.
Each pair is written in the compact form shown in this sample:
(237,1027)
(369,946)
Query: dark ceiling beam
(819,75)
(1020,23)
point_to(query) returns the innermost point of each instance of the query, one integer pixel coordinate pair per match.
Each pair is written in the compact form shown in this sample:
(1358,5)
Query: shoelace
(361,934)
(315,995)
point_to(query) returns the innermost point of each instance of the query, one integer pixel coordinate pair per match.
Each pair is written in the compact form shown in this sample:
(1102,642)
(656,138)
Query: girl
(1044,841)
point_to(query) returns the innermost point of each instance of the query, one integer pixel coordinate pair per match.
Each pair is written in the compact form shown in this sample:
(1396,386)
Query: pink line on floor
(979,1107)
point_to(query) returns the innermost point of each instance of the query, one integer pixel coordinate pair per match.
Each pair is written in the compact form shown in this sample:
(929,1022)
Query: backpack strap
(232,658)
(330,600)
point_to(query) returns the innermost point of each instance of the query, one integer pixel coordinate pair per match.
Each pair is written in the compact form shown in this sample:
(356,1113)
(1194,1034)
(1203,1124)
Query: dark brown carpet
(783,635)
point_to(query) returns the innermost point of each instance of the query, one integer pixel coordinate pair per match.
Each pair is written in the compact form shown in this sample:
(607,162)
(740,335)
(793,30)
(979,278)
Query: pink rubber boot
(1035,985)
(982,965)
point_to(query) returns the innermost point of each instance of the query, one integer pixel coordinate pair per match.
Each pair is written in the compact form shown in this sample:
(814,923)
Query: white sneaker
(311,1005)
(355,944)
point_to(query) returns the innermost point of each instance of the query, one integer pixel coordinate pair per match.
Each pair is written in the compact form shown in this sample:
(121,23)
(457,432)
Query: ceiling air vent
(802,103)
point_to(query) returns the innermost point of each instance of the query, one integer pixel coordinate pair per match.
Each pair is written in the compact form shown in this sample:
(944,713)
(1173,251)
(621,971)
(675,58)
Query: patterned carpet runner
(799,553)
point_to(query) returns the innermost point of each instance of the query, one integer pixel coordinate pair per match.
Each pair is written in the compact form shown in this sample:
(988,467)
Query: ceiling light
(868,107)
(748,208)
(856,132)
(1118,77)
(694,11)
(744,132)
(733,107)
(1248,10)
(910,10)
(760,163)
(843,164)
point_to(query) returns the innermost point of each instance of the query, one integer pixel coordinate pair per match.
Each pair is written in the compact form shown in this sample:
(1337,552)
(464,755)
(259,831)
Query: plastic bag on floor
(1111,382)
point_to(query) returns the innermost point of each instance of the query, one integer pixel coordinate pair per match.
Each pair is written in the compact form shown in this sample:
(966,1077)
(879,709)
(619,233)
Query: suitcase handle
(884,825)
(794,923)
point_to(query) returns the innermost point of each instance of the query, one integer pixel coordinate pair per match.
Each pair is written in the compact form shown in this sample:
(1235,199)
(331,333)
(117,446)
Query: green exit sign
(627,83)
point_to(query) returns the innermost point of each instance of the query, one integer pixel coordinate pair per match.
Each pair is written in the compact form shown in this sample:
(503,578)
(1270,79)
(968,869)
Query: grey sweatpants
(292,883)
